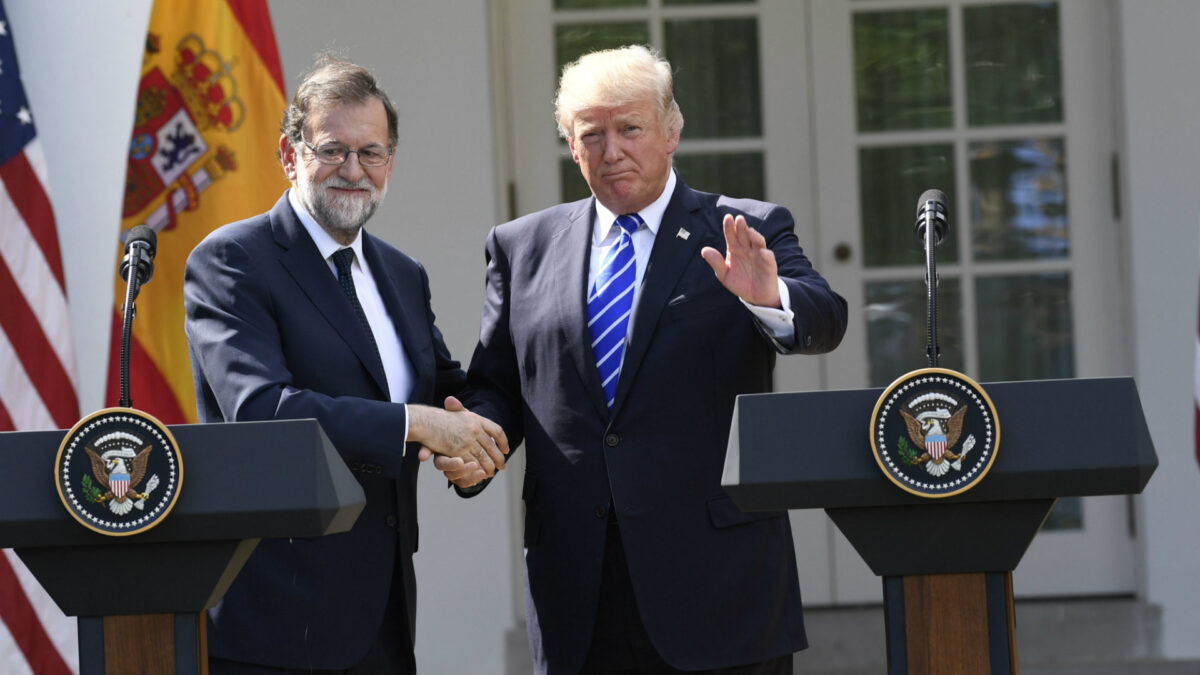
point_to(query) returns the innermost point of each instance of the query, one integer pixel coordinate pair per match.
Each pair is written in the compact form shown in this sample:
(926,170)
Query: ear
(672,140)
(571,146)
(287,157)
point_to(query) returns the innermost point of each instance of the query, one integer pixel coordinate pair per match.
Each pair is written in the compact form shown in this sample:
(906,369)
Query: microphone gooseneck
(141,244)
(931,227)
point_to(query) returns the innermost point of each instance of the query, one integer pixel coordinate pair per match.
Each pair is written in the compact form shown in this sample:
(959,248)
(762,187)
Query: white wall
(1162,101)
(81,64)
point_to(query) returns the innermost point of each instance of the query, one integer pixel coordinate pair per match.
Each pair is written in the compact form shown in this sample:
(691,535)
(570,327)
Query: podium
(946,563)
(140,599)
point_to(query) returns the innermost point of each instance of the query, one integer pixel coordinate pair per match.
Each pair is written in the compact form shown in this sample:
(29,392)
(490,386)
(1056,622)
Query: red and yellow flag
(202,154)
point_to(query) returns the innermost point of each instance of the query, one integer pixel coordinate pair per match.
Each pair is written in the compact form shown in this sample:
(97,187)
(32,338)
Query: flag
(202,154)
(37,359)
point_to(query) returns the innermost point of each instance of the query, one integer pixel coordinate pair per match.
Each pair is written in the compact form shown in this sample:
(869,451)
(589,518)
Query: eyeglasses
(336,154)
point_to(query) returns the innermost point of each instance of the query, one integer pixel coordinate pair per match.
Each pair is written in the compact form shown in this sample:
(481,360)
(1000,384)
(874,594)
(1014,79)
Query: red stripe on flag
(28,195)
(22,621)
(255,18)
(6,423)
(20,324)
(147,387)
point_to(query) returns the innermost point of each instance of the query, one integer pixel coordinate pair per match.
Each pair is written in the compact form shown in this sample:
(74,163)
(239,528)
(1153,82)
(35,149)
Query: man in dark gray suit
(299,312)
(616,333)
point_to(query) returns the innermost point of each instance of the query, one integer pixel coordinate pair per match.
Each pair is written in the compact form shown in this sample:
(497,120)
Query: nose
(612,148)
(350,169)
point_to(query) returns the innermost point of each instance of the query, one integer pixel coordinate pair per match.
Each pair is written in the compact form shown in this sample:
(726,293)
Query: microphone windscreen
(143,234)
(931,195)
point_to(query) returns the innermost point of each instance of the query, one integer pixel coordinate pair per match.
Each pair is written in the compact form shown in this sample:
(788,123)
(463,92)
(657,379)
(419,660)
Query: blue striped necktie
(610,302)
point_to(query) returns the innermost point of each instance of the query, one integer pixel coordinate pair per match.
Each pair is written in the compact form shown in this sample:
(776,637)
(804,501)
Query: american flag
(37,362)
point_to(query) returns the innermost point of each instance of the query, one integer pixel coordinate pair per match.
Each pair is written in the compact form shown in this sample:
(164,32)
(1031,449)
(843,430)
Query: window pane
(1013,67)
(576,39)
(1025,327)
(738,174)
(1018,199)
(571,182)
(891,179)
(716,76)
(1067,514)
(897,314)
(902,71)
(597,4)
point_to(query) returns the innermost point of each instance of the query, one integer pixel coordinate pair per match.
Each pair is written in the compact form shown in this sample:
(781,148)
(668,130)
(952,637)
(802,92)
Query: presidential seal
(118,471)
(934,432)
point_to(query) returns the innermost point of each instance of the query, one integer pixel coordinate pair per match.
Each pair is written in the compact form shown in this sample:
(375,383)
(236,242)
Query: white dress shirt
(396,366)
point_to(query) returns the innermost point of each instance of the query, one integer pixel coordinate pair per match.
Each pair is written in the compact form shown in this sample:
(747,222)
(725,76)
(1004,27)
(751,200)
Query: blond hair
(615,77)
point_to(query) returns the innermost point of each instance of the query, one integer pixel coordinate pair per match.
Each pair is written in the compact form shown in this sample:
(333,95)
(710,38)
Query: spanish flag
(202,154)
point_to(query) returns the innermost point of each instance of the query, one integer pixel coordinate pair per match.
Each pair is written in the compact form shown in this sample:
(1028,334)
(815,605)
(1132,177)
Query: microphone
(140,246)
(931,213)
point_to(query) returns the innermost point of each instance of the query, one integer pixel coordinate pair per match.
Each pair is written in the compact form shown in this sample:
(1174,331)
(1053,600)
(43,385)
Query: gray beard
(342,214)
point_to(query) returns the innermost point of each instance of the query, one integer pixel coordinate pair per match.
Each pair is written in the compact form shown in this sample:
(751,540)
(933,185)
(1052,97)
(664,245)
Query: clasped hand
(466,447)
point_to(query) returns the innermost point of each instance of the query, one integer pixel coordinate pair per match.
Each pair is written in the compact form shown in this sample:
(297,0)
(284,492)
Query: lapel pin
(683,234)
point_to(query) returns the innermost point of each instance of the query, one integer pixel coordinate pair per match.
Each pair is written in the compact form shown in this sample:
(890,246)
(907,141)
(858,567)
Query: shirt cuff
(779,323)
(404,445)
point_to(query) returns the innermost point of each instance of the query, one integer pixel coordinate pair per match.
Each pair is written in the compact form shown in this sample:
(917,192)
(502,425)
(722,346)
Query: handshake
(466,447)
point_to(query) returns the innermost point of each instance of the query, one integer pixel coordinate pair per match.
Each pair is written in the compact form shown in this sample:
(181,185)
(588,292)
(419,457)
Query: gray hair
(334,81)
(614,77)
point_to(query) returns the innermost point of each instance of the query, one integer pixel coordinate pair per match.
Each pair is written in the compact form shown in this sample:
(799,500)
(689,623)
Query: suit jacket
(716,587)
(272,336)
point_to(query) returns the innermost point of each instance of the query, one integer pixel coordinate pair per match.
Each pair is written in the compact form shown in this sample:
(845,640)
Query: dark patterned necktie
(610,302)
(343,258)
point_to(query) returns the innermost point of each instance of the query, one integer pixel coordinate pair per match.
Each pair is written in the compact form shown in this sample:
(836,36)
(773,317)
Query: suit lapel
(670,255)
(569,250)
(312,274)
(402,303)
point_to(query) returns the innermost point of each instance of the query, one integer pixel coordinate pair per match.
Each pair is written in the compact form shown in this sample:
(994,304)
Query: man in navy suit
(298,312)
(636,560)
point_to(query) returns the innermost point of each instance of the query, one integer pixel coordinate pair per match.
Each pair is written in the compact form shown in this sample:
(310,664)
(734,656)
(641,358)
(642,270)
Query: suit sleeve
(819,312)
(493,377)
(241,372)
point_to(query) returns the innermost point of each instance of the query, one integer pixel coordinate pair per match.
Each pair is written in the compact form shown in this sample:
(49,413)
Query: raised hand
(748,268)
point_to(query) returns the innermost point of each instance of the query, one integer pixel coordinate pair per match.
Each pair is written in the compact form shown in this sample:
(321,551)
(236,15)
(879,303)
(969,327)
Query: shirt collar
(325,243)
(652,215)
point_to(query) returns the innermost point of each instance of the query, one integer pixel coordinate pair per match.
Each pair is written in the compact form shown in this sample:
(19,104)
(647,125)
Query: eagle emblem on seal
(934,425)
(120,471)
(934,432)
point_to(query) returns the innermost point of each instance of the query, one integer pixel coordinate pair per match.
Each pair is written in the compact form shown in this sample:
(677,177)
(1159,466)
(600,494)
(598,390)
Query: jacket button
(611,440)
(390,521)
(601,512)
